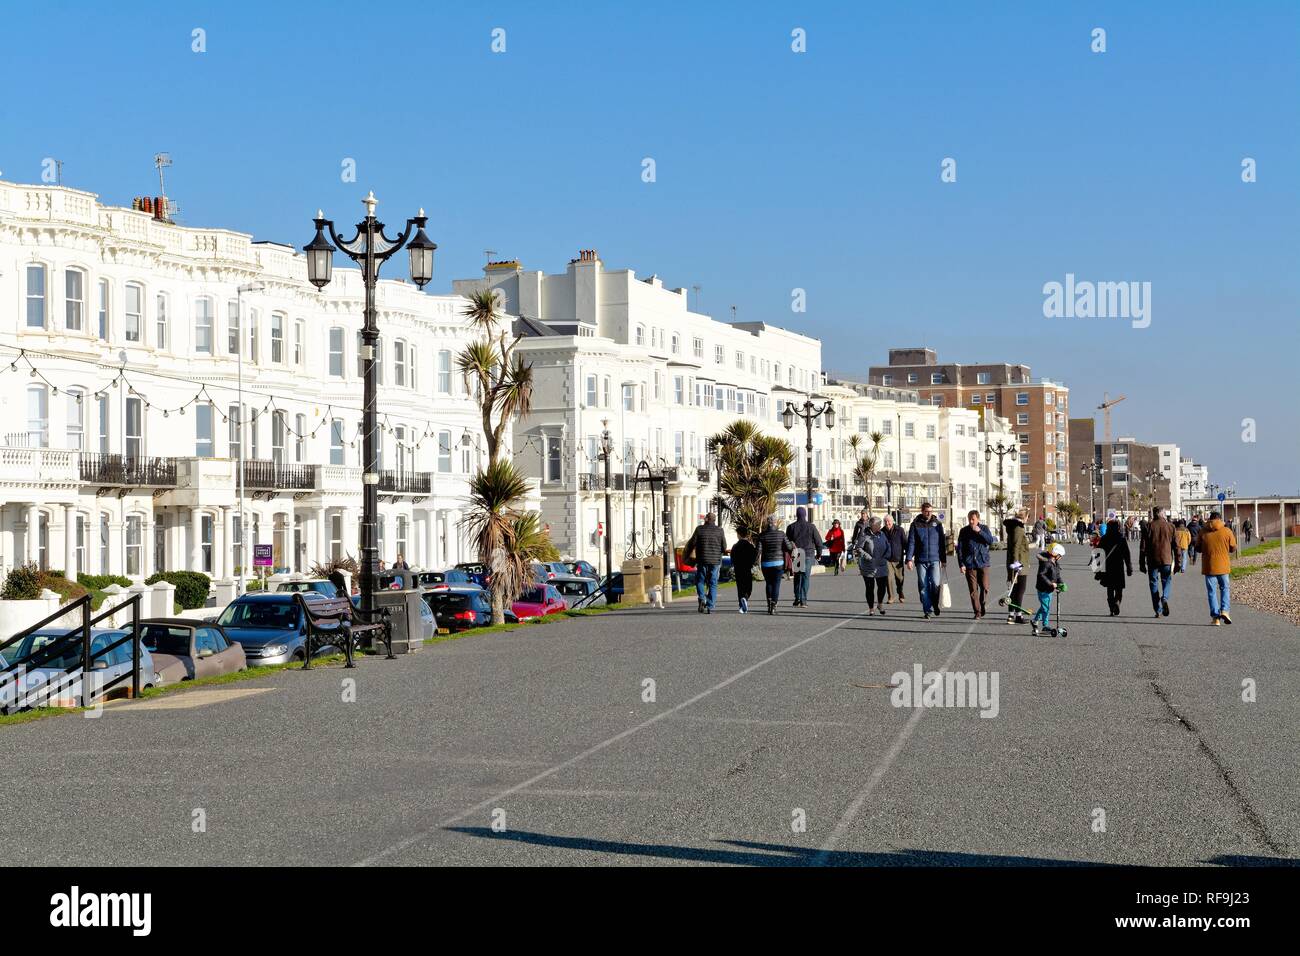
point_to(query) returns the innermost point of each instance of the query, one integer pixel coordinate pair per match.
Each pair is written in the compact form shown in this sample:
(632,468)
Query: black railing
(617,482)
(406,482)
(270,475)
(99,469)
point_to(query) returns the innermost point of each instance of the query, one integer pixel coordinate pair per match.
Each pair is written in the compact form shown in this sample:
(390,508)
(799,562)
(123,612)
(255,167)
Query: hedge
(191,586)
(26,582)
(97,582)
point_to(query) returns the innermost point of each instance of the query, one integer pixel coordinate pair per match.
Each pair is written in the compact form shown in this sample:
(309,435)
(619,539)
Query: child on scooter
(1049,581)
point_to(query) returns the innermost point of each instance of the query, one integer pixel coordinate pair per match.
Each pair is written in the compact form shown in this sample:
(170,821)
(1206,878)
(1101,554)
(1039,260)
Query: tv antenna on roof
(697,296)
(489,253)
(162,160)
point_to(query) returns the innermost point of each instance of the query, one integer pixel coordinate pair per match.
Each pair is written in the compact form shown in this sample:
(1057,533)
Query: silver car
(574,590)
(57,682)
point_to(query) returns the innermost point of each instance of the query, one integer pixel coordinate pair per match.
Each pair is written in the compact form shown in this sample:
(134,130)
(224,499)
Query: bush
(323,569)
(67,590)
(24,583)
(97,582)
(191,586)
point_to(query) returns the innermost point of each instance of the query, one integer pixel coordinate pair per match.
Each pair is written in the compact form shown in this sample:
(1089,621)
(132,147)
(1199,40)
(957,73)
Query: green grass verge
(1273,545)
(1237,574)
(252,673)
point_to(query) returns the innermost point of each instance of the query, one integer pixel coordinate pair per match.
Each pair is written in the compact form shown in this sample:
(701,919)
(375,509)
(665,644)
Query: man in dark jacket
(897,558)
(863,527)
(927,549)
(773,546)
(1156,558)
(804,535)
(1017,553)
(706,548)
(973,544)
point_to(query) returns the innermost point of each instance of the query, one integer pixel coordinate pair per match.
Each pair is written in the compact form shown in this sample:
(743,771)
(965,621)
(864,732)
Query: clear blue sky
(775,170)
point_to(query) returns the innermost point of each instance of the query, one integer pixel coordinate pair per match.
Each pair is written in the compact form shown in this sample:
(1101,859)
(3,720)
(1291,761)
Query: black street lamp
(1095,475)
(370,248)
(607,452)
(810,413)
(1001,451)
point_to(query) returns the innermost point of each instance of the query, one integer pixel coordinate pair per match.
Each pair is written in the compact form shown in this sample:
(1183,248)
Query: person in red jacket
(835,544)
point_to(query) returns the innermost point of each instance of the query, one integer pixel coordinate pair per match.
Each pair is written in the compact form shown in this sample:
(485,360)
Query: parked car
(541,573)
(477,571)
(319,585)
(538,601)
(186,649)
(450,576)
(460,608)
(574,590)
(583,569)
(270,627)
(63,671)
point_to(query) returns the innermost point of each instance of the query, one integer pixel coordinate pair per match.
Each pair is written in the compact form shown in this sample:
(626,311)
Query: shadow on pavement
(745,853)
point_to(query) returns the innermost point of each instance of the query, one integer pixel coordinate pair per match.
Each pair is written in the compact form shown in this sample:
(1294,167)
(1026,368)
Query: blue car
(270,627)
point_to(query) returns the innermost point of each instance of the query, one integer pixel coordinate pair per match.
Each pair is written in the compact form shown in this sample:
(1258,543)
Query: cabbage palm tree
(492,522)
(754,469)
(863,472)
(499,380)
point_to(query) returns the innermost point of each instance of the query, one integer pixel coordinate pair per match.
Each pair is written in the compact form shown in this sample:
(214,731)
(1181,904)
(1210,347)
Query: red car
(538,601)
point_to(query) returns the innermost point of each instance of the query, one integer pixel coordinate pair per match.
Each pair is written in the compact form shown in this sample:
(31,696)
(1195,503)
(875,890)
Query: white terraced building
(611,350)
(144,475)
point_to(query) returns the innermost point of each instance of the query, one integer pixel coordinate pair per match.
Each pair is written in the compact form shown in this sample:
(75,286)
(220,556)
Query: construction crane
(1106,405)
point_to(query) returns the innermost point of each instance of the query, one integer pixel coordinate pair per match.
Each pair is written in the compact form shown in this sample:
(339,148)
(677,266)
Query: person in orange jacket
(1217,544)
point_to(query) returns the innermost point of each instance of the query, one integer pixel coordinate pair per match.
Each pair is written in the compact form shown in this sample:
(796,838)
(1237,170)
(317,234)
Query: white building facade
(1169,458)
(611,351)
(132,369)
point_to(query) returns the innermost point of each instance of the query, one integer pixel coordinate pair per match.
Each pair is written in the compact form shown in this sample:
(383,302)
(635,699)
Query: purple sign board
(261,555)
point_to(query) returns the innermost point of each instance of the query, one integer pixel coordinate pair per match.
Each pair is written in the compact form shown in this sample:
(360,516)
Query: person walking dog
(973,552)
(1218,544)
(706,548)
(773,546)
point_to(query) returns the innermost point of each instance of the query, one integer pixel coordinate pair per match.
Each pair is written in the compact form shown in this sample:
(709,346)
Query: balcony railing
(406,482)
(101,469)
(596,482)
(272,476)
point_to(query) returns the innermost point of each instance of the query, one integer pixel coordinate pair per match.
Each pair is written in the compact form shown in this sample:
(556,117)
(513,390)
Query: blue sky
(775,170)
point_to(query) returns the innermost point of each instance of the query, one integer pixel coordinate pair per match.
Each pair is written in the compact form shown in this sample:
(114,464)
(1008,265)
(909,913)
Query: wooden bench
(334,621)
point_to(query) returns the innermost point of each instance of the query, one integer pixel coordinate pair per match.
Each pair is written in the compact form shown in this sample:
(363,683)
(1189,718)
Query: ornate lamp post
(1094,472)
(809,412)
(607,452)
(1001,451)
(370,248)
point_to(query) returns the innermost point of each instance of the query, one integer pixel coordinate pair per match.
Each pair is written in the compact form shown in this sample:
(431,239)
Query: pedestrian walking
(1117,565)
(400,564)
(773,546)
(927,550)
(974,544)
(743,558)
(1017,553)
(1247,529)
(1156,558)
(1218,544)
(897,558)
(1080,531)
(863,524)
(1047,583)
(806,537)
(1182,541)
(1194,529)
(835,544)
(1040,533)
(705,550)
(872,548)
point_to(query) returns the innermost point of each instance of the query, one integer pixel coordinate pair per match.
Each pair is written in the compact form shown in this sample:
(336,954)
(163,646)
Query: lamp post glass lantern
(809,412)
(606,452)
(370,248)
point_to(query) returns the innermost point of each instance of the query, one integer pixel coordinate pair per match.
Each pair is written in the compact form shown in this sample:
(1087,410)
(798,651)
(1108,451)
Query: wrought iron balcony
(596,482)
(139,472)
(262,475)
(406,482)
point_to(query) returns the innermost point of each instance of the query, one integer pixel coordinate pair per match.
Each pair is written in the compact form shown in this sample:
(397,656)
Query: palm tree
(998,504)
(855,443)
(499,380)
(492,522)
(532,541)
(863,472)
(753,469)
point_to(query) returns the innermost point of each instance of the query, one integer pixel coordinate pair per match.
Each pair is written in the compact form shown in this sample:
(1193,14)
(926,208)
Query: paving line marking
(484,804)
(882,767)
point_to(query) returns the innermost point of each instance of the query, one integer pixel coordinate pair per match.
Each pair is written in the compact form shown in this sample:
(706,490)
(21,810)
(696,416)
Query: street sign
(1222,496)
(799,498)
(261,555)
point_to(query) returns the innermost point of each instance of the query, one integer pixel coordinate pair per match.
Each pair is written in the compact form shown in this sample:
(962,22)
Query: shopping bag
(945,595)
